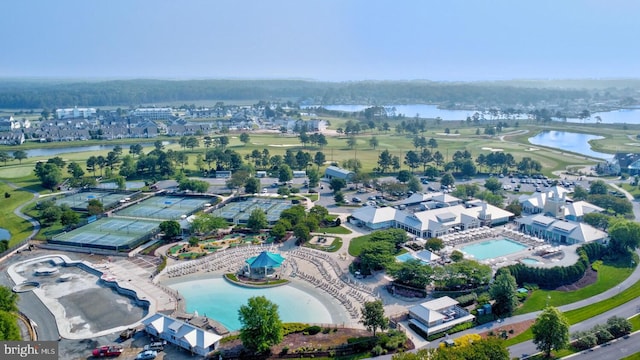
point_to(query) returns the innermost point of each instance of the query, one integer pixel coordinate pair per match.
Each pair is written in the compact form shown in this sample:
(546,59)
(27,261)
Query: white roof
(373,215)
(438,304)
(427,255)
(180,330)
(580,208)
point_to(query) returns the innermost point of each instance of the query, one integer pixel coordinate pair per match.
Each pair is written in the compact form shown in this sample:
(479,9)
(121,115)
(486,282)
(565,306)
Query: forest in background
(596,95)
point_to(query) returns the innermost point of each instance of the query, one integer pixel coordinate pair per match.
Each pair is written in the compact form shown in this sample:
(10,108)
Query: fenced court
(238,212)
(109,233)
(165,207)
(80,200)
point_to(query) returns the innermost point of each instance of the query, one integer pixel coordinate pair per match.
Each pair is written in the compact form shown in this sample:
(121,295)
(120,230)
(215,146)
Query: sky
(326,40)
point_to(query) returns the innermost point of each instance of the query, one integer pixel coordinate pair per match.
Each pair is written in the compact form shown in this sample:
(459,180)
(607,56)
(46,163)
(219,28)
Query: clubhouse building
(444,214)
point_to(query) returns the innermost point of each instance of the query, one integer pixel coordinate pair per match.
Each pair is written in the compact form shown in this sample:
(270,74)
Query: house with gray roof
(560,231)
(339,173)
(438,315)
(187,336)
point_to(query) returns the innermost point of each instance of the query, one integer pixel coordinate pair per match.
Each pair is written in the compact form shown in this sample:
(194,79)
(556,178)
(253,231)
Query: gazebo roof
(265,259)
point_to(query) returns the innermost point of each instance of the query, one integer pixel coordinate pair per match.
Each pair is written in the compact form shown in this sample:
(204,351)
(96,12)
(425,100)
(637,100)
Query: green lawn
(609,275)
(589,311)
(341,230)
(18,227)
(355,246)
(635,323)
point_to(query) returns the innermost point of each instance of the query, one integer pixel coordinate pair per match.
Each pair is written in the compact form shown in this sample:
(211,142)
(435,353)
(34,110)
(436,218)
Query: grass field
(341,230)
(18,227)
(587,312)
(609,275)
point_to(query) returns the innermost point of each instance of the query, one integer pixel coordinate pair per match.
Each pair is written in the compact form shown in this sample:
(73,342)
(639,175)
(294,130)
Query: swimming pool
(530,261)
(405,257)
(493,248)
(220,300)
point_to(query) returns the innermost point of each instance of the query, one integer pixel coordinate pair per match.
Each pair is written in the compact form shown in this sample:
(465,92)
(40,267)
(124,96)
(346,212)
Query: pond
(5,234)
(51,152)
(568,141)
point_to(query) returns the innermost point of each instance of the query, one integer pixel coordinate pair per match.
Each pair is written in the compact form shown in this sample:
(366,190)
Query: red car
(107,351)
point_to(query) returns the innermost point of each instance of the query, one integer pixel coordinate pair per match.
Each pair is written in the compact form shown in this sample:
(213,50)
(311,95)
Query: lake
(575,142)
(51,152)
(624,116)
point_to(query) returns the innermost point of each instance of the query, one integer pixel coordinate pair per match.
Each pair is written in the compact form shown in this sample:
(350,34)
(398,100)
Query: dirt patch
(511,330)
(590,277)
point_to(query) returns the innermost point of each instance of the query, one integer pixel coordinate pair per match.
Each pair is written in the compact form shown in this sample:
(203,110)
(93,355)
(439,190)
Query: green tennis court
(165,207)
(109,233)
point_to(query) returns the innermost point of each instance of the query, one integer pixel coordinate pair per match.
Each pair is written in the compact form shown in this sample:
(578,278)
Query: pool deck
(121,271)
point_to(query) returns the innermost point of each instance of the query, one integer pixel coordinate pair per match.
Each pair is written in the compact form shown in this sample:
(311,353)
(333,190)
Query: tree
(20,155)
(598,187)
(434,244)
(373,142)
(9,329)
(69,218)
(244,138)
(50,175)
(302,233)
(404,176)
(285,173)
(170,228)
(278,231)
(135,149)
(261,325)
(192,142)
(624,235)
(550,331)
(4,157)
(412,273)
(95,207)
(252,185)
(352,142)
(75,170)
(503,291)
(492,184)
(338,197)
(319,159)
(314,178)
(257,220)
(373,316)
(8,300)
(337,184)
(447,179)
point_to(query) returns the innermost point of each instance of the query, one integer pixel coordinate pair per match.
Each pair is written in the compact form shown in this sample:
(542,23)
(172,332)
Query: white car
(264,191)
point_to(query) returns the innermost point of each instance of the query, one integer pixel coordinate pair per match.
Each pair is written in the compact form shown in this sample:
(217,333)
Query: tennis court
(165,207)
(109,233)
(129,185)
(81,200)
(239,212)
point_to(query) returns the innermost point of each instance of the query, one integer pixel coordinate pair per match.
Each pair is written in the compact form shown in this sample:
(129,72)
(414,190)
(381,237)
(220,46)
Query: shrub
(326,330)
(312,330)
(292,328)
(284,350)
(466,300)
(377,350)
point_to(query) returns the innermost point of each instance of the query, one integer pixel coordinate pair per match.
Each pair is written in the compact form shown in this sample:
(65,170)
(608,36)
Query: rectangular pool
(493,248)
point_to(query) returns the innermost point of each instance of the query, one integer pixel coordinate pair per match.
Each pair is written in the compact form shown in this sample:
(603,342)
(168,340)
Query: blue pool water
(493,248)
(220,300)
(530,261)
(405,257)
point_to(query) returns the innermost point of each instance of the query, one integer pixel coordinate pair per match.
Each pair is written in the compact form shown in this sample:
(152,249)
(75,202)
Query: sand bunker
(283,145)
(492,149)
(531,149)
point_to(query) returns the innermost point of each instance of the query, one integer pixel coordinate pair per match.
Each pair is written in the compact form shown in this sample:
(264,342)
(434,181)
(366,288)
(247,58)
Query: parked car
(107,351)
(147,355)
(127,334)
(157,346)
(356,200)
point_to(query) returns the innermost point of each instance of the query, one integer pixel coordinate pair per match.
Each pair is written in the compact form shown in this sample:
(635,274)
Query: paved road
(618,349)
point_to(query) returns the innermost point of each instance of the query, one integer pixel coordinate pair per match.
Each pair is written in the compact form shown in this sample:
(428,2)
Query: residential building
(182,334)
(153,113)
(438,315)
(75,113)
